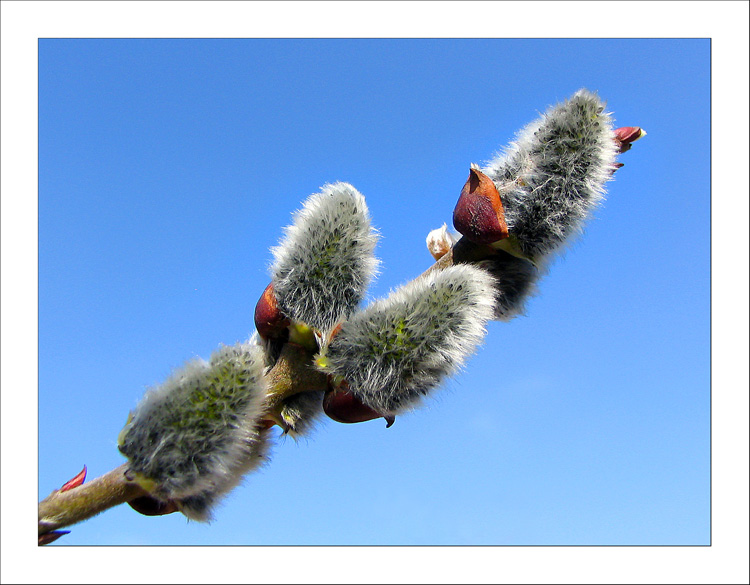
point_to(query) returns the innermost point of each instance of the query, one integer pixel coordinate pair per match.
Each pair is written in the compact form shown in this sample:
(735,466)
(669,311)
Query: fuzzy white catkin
(396,350)
(193,437)
(325,262)
(552,177)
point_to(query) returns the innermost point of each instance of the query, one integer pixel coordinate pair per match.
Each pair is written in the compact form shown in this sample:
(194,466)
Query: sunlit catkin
(399,348)
(325,261)
(552,177)
(191,439)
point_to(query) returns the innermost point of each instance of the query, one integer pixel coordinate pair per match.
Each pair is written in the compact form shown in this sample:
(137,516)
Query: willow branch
(293,373)
(63,508)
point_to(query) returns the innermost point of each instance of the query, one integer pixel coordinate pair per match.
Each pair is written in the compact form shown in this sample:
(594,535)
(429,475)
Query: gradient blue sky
(168,167)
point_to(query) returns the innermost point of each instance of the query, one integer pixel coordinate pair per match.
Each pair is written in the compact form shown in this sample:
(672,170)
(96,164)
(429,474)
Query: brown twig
(63,508)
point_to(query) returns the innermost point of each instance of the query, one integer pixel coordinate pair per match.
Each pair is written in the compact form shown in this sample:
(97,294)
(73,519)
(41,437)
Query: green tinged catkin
(395,351)
(552,176)
(191,439)
(325,262)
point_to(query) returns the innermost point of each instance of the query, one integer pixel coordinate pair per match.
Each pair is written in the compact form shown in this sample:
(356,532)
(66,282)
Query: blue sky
(168,167)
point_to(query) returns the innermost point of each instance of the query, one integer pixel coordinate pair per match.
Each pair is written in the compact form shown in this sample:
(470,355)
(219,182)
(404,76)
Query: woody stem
(61,509)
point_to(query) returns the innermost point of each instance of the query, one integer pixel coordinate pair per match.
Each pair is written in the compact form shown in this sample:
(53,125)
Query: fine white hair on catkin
(552,176)
(200,506)
(193,437)
(324,263)
(301,412)
(396,350)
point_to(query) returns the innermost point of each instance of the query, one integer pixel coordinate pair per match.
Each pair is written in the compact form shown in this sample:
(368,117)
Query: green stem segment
(293,373)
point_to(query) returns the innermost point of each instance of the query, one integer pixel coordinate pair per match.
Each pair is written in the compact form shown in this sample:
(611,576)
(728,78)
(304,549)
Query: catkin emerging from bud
(552,177)
(192,439)
(325,261)
(301,411)
(399,348)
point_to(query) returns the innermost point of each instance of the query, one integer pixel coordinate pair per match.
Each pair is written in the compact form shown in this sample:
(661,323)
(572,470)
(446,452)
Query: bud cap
(479,213)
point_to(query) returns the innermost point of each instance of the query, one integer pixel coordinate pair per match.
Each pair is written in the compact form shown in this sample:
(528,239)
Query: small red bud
(75,482)
(51,536)
(479,213)
(149,506)
(626,135)
(344,407)
(269,320)
(335,331)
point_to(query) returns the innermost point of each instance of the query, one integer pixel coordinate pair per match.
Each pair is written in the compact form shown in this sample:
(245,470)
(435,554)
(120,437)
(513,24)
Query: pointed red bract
(616,166)
(626,135)
(75,482)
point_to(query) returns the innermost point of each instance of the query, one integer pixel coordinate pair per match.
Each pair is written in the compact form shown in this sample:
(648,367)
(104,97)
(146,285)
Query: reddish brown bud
(149,506)
(344,407)
(51,536)
(269,320)
(75,482)
(626,135)
(479,213)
